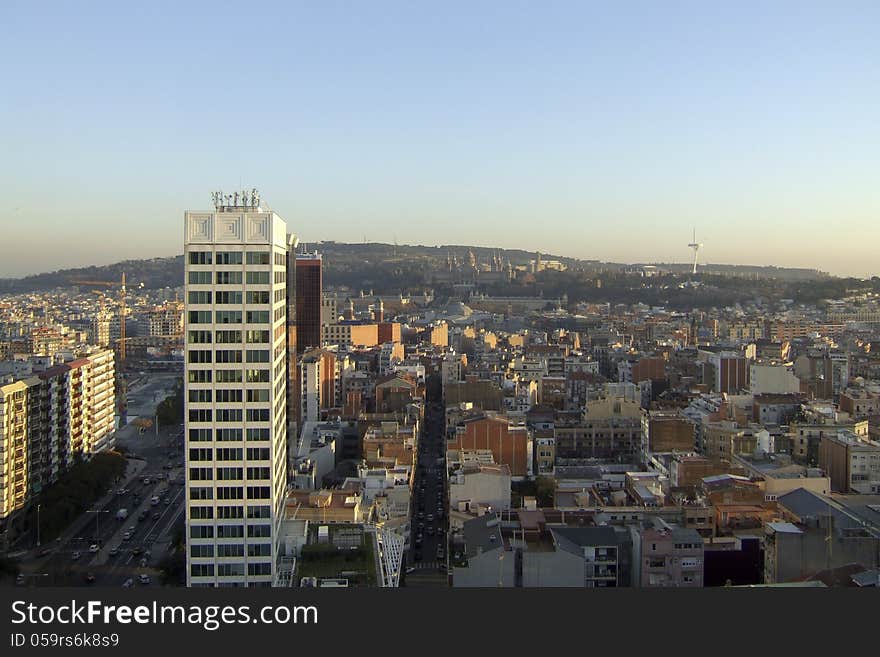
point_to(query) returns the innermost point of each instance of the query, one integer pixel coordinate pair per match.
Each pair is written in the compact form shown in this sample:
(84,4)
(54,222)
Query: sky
(605,131)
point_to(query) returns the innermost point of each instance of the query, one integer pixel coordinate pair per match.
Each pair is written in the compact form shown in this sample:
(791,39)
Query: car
(146,481)
(410,570)
(90,577)
(157,515)
(19,580)
(167,501)
(421,515)
(430,517)
(430,531)
(418,540)
(114,551)
(127,584)
(440,553)
(45,552)
(126,536)
(136,551)
(144,579)
(144,562)
(154,500)
(94,547)
(75,556)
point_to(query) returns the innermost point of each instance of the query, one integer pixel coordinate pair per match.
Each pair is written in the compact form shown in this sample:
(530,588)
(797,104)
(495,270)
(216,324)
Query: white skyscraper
(236,392)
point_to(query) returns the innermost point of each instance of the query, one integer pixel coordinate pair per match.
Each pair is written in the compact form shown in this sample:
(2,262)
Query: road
(428,557)
(82,555)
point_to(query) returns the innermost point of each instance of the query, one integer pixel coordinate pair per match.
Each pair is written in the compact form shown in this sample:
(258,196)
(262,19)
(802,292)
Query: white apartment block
(235,394)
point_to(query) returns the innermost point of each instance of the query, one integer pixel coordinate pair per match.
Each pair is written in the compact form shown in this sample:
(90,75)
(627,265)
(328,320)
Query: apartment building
(236,393)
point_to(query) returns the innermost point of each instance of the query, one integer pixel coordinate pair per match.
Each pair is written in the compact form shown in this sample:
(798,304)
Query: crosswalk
(429,565)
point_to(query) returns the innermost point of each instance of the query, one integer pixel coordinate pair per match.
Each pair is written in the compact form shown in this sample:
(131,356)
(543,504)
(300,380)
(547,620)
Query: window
(228,278)
(230,513)
(259,550)
(257,453)
(199,435)
(257,473)
(228,337)
(236,550)
(199,297)
(258,512)
(228,435)
(258,415)
(200,395)
(230,531)
(230,493)
(201,531)
(228,257)
(229,376)
(258,434)
(258,257)
(200,257)
(200,278)
(229,415)
(257,316)
(227,298)
(201,550)
(256,337)
(200,454)
(257,395)
(228,316)
(199,316)
(257,355)
(200,415)
(201,493)
(201,474)
(199,356)
(259,569)
(229,453)
(200,376)
(229,474)
(200,337)
(259,531)
(257,376)
(228,356)
(202,569)
(258,492)
(224,395)
(257,278)
(230,569)
(201,513)
(258,297)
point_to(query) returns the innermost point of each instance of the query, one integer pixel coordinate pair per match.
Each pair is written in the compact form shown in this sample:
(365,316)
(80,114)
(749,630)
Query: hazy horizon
(595,132)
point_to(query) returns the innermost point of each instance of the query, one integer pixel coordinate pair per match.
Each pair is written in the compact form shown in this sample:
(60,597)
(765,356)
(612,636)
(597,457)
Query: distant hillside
(372,264)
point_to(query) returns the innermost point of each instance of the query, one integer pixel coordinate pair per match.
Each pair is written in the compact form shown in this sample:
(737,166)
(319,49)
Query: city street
(427,559)
(99,548)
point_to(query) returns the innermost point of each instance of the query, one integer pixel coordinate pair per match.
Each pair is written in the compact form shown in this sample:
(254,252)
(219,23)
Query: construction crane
(121,382)
(122,290)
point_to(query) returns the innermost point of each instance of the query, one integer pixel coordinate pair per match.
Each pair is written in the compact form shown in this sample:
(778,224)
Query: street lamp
(97,521)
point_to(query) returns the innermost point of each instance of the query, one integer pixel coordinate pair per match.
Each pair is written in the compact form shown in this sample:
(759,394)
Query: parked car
(90,577)
(75,556)
(126,536)
(94,547)
(136,551)
(127,584)
(144,579)
(114,551)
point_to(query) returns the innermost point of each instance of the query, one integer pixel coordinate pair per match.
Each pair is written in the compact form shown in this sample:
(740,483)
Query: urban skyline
(589,132)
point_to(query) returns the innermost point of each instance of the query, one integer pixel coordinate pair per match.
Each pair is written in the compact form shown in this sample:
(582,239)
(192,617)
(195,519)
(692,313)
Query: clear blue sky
(568,127)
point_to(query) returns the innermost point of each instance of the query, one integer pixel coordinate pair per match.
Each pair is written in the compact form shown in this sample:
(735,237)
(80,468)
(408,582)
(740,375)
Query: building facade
(235,393)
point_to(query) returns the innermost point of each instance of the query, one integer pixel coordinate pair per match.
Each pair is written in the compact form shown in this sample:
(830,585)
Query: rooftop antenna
(696,246)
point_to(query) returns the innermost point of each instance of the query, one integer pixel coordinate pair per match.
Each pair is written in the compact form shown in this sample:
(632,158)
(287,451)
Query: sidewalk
(132,468)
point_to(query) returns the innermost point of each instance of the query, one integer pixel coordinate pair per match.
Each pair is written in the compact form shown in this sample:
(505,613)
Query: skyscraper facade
(308,301)
(235,392)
